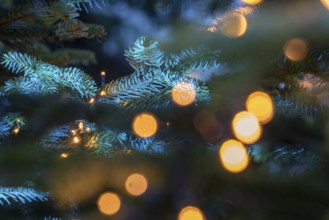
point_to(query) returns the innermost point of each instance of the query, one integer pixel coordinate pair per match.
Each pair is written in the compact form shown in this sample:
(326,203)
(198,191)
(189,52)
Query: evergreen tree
(225,120)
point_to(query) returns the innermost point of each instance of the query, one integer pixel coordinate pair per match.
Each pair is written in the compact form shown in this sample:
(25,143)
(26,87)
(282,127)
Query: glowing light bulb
(233,156)
(234,25)
(73,132)
(109,203)
(191,213)
(18,121)
(76,140)
(212,29)
(252,2)
(145,125)
(136,184)
(16,131)
(102,93)
(81,125)
(246,127)
(261,105)
(64,155)
(91,101)
(88,129)
(296,49)
(103,73)
(183,93)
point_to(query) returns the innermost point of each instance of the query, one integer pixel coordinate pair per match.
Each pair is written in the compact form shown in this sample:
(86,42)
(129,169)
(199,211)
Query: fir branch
(21,195)
(153,90)
(72,30)
(147,145)
(43,78)
(9,122)
(98,3)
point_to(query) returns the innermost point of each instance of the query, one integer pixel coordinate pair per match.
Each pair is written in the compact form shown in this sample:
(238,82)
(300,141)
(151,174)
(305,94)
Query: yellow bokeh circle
(191,213)
(234,25)
(246,127)
(296,49)
(233,156)
(261,105)
(136,184)
(145,125)
(325,3)
(183,93)
(109,203)
(252,2)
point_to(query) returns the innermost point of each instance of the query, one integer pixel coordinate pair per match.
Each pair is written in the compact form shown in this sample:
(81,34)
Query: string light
(234,25)
(88,129)
(246,127)
(102,93)
(261,105)
(252,2)
(81,125)
(191,213)
(296,49)
(136,184)
(233,156)
(73,132)
(103,78)
(145,125)
(64,155)
(91,101)
(16,131)
(183,93)
(76,140)
(109,203)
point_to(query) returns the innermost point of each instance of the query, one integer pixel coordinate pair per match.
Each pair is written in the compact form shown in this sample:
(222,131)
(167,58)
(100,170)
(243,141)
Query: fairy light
(16,131)
(261,105)
(87,129)
(183,93)
(109,203)
(145,125)
(296,49)
(246,127)
(81,125)
(76,140)
(233,156)
(18,121)
(191,213)
(251,2)
(102,93)
(136,184)
(103,78)
(91,101)
(64,155)
(234,25)
(74,132)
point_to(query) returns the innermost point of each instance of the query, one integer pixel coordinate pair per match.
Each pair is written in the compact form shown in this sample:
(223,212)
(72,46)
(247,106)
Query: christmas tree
(222,115)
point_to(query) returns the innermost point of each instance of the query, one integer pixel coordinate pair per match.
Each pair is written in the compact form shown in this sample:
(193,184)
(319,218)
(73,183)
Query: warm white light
(145,125)
(91,101)
(183,93)
(233,156)
(191,213)
(16,131)
(109,203)
(261,105)
(64,155)
(103,73)
(246,127)
(136,184)
(252,2)
(234,25)
(76,140)
(81,125)
(296,49)
(102,93)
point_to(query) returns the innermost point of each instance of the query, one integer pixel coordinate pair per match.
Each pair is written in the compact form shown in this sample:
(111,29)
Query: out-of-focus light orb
(91,101)
(191,213)
(246,127)
(145,125)
(16,131)
(64,155)
(212,29)
(109,203)
(234,25)
(325,3)
(76,140)
(252,2)
(103,73)
(296,49)
(81,125)
(233,156)
(136,184)
(102,93)
(261,105)
(183,93)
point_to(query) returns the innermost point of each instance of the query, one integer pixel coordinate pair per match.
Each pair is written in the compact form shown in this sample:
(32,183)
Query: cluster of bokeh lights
(246,126)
